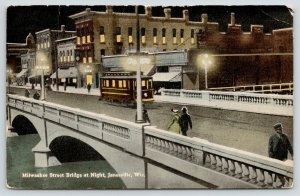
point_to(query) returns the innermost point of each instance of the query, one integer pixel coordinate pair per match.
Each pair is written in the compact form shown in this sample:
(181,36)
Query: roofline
(65,39)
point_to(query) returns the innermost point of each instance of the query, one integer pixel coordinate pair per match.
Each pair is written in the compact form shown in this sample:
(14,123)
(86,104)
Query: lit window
(164,36)
(78,40)
(48,43)
(102,38)
(120,83)
(181,36)
(119,37)
(74,80)
(174,37)
(83,39)
(90,59)
(84,59)
(143,34)
(118,34)
(38,46)
(143,83)
(63,80)
(124,84)
(130,40)
(88,39)
(113,83)
(192,36)
(155,35)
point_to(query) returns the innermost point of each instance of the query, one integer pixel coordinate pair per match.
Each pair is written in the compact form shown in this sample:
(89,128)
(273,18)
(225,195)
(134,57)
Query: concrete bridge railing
(221,163)
(240,101)
(112,130)
(218,165)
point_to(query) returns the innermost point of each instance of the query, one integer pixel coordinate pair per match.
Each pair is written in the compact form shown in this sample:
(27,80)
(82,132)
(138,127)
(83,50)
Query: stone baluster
(279,181)
(252,175)
(179,149)
(158,147)
(238,170)
(245,173)
(175,150)
(207,160)
(219,163)
(225,166)
(260,177)
(189,154)
(268,179)
(213,161)
(166,146)
(184,152)
(231,168)
(171,148)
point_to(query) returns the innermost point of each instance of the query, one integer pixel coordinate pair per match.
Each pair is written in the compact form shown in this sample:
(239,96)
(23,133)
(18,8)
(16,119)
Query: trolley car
(120,87)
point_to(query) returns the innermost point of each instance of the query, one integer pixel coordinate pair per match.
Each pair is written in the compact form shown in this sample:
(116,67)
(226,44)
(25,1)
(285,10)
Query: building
(28,65)
(46,48)
(241,58)
(14,51)
(67,67)
(111,33)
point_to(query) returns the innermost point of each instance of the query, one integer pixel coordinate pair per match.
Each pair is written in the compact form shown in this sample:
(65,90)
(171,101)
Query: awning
(167,77)
(22,73)
(66,73)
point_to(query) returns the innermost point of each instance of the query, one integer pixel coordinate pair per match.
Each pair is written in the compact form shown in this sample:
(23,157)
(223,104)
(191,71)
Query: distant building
(241,58)
(110,33)
(67,66)
(15,50)
(46,46)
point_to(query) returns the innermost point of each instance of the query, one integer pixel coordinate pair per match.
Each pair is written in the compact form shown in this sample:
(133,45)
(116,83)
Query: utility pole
(139,106)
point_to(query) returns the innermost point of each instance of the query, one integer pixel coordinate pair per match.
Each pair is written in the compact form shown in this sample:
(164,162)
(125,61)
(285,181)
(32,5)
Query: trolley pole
(139,105)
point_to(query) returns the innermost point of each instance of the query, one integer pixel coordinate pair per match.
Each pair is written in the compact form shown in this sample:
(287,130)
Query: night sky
(24,19)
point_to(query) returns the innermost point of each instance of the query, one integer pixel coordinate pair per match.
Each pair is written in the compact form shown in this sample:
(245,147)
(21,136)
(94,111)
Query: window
(113,83)
(64,56)
(101,34)
(74,80)
(163,35)
(130,40)
(155,35)
(143,83)
(90,56)
(124,84)
(118,34)
(78,40)
(120,83)
(107,83)
(60,56)
(174,37)
(192,36)
(181,35)
(68,56)
(143,35)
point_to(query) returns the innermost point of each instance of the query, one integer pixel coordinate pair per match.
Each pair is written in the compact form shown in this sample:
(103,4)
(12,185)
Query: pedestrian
(89,87)
(146,116)
(27,93)
(174,125)
(36,95)
(279,144)
(185,121)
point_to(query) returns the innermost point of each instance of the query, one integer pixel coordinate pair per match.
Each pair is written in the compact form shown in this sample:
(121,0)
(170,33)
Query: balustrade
(116,130)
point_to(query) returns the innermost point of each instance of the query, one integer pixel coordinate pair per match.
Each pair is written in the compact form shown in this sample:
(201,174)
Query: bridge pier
(43,156)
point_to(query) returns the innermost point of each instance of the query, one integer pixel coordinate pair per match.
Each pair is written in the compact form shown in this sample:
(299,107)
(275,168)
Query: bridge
(193,162)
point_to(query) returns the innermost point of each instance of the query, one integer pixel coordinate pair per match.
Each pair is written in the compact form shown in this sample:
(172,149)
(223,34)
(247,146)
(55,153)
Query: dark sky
(24,19)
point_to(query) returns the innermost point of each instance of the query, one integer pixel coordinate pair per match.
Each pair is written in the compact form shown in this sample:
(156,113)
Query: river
(20,165)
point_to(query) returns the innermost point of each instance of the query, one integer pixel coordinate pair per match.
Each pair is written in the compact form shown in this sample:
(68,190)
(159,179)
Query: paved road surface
(241,130)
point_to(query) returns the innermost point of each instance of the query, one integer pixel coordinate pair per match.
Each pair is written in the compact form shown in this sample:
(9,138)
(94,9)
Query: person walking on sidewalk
(89,87)
(185,121)
(174,126)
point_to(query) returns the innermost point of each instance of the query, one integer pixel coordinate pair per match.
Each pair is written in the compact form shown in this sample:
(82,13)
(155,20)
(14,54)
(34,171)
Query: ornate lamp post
(42,68)
(206,61)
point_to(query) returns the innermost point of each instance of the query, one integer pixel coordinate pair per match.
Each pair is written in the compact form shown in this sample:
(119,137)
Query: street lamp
(42,68)
(8,74)
(204,60)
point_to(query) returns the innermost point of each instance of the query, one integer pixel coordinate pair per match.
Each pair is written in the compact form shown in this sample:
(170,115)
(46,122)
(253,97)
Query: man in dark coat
(185,121)
(279,144)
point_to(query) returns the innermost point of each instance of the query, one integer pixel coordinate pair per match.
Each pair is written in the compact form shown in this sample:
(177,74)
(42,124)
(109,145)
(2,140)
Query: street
(240,130)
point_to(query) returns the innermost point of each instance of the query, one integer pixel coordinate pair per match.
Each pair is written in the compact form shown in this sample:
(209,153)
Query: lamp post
(8,74)
(42,68)
(139,106)
(204,60)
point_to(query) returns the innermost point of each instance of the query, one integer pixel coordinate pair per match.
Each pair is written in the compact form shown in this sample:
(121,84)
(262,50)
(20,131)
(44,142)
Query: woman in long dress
(174,126)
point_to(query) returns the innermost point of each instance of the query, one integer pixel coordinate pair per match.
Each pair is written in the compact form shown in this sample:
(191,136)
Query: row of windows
(27,63)
(118,35)
(45,44)
(66,56)
(123,83)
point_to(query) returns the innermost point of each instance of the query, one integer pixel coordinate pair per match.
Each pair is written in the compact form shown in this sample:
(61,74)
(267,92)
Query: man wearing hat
(279,144)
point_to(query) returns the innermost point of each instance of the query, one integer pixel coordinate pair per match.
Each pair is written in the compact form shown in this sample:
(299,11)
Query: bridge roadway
(240,130)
